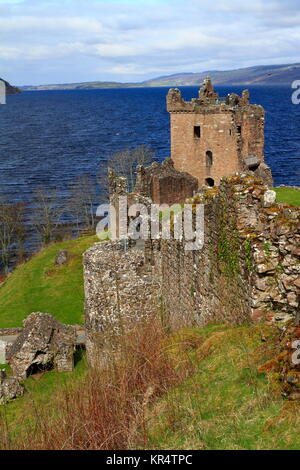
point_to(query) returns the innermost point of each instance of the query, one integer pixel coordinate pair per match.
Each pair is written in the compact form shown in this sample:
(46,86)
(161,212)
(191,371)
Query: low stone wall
(10,331)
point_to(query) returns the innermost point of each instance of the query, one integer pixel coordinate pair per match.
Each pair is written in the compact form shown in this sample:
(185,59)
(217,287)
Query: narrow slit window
(197,132)
(239,130)
(209,158)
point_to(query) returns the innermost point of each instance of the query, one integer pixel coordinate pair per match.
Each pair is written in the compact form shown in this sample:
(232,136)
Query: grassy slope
(289,195)
(39,285)
(227,403)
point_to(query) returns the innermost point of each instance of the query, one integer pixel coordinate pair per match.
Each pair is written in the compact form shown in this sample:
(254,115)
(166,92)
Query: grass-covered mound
(41,286)
(289,195)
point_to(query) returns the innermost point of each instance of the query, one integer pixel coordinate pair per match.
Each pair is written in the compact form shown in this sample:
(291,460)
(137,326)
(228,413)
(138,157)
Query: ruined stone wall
(163,184)
(248,269)
(252,122)
(120,291)
(10,331)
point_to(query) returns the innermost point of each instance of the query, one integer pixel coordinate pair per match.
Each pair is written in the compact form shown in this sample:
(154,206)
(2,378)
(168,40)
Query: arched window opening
(209,158)
(209,182)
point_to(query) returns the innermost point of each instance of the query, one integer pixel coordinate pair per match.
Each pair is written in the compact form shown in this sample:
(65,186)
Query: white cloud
(19,24)
(120,40)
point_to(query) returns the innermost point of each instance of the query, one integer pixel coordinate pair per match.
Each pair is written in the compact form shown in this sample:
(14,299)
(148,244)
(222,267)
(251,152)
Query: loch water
(48,138)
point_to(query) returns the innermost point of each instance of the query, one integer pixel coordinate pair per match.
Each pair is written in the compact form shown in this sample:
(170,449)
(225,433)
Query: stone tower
(212,137)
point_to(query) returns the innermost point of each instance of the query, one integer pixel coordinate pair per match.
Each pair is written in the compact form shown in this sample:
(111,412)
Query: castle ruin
(248,269)
(212,137)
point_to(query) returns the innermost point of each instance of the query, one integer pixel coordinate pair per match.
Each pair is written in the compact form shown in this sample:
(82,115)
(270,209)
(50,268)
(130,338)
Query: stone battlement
(209,101)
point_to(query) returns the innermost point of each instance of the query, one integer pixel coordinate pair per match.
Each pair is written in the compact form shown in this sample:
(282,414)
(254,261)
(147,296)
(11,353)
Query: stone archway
(210,182)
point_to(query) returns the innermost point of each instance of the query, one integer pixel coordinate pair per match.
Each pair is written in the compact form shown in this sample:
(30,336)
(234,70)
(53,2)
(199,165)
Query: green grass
(41,286)
(227,403)
(289,195)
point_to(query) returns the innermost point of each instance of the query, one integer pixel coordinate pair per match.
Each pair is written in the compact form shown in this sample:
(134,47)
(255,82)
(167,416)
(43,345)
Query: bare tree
(83,201)
(47,213)
(12,232)
(124,163)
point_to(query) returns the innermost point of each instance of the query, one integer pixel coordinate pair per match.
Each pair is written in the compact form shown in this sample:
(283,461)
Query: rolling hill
(10,90)
(257,75)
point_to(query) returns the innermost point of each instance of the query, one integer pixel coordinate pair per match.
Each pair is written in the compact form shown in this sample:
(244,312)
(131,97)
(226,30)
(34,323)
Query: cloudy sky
(59,41)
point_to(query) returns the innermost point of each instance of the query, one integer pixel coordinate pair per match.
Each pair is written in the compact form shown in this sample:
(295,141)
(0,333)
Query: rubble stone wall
(119,291)
(248,269)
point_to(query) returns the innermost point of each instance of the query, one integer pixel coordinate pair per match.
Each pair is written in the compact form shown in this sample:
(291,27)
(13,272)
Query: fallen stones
(269,198)
(44,343)
(61,258)
(10,387)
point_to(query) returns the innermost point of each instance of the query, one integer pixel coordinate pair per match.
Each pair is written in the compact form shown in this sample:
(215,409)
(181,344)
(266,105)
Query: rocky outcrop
(11,90)
(44,343)
(62,257)
(10,387)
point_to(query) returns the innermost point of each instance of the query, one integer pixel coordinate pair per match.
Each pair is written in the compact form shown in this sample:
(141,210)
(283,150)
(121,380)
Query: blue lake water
(48,138)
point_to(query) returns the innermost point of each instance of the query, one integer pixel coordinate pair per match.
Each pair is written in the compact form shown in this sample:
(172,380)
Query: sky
(50,41)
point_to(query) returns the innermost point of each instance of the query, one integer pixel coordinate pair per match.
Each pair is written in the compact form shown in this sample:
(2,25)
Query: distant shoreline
(258,85)
(273,75)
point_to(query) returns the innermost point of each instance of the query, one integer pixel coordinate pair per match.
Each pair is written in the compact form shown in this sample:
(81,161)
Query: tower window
(209,158)
(197,132)
(239,130)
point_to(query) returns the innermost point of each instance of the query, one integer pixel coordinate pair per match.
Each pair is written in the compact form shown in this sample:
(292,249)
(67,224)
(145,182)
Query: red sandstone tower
(213,137)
